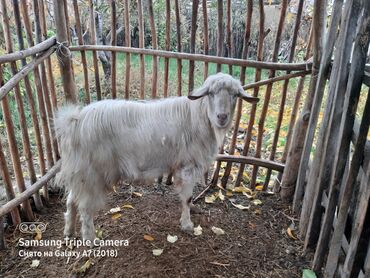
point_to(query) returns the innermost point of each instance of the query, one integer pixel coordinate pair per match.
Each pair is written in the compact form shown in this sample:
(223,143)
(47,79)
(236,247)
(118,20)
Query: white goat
(115,139)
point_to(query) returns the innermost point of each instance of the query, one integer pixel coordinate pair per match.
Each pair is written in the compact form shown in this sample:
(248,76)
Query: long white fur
(115,139)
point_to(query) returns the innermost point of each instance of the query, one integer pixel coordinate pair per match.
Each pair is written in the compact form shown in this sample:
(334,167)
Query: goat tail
(65,121)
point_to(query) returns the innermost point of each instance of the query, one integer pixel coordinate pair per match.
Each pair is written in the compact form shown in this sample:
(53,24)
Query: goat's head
(222,91)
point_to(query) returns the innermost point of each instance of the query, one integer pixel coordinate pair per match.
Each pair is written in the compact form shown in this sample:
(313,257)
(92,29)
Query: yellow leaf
(85,266)
(257,202)
(221,196)
(99,233)
(240,206)
(116,216)
(128,206)
(217,231)
(241,189)
(210,199)
(290,233)
(229,194)
(259,187)
(137,194)
(148,238)
(157,252)
(249,196)
(38,235)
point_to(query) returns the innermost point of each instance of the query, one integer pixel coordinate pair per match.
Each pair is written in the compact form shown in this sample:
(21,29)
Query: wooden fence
(31,68)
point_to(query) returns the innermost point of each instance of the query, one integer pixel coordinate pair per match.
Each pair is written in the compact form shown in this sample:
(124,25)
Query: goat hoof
(187,227)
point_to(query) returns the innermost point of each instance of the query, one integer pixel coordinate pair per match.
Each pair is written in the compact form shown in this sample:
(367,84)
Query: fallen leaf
(240,206)
(229,194)
(308,273)
(221,196)
(157,252)
(114,210)
(257,202)
(172,239)
(38,235)
(249,196)
(210,199)
(290,233)
(99,233)
(85,266)
(116,216)
(137,194)
(241,189)
(128,206)
(198,230)
(35,263)
(217,231)
(148,237)
(259,187)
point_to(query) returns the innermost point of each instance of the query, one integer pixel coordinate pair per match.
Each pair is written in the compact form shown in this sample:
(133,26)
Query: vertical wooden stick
(220,31)
(154,46)
(94,54)
(194,26)
(83,53)
(205,36)
(141,45)
(113,42)
(166,60)
(229,35)
(128,44)
(178,33)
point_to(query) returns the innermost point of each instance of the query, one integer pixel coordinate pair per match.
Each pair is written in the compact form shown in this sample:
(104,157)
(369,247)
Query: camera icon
(32,227)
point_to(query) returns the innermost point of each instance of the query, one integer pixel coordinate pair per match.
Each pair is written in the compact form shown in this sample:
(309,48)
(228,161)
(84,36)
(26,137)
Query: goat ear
(247,97)
(198,93)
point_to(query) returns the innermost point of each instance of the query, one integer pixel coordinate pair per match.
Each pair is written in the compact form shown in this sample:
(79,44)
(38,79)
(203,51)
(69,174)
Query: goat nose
(222,117)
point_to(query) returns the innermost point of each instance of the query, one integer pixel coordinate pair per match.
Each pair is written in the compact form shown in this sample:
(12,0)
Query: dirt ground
(255,243)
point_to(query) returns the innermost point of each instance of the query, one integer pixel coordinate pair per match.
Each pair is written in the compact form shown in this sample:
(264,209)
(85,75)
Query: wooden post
(83,53)
(113,42)
(154,46)
(229,35)
(128,44)
(167,40)
(65,62)
(178,32)
(205,36)
(141,45)
(194,18)
(220,31)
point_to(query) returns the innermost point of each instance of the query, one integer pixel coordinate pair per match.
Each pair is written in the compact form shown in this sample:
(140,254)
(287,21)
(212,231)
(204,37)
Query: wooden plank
(141,45)
(113,42)
(128,45)
(154,46)
(332,133)
(83,53)
(94,54)
(199,57)
(350,106)
(194,26)
(167,41)
(314,116)
(178,61)
(251,160)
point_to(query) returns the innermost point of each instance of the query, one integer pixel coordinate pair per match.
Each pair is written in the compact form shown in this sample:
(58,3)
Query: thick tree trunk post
(319,93)
(65,62)
(295,151)
(329,130)
(194,26)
